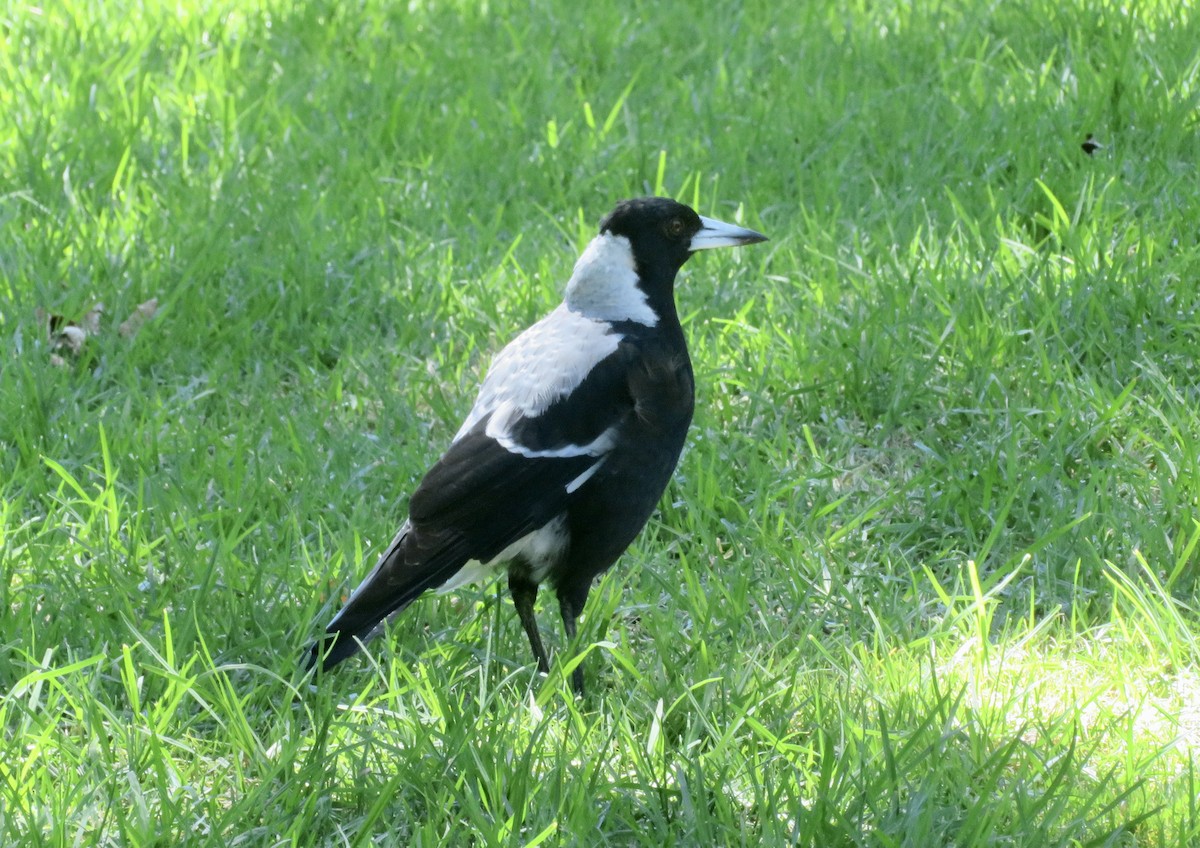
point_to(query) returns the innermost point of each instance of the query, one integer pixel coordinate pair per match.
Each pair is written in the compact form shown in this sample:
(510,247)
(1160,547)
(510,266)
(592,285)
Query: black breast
(608,512)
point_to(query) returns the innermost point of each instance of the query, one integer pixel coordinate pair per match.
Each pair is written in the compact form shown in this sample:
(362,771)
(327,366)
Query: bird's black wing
(487,492)
(481,496)
(495,484)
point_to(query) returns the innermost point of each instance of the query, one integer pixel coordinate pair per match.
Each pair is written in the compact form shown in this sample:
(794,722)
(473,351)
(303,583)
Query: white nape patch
(585,476)
(604,284)
(540,549)
(544,363)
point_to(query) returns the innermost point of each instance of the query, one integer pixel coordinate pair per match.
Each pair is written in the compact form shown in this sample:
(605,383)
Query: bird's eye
(675,228)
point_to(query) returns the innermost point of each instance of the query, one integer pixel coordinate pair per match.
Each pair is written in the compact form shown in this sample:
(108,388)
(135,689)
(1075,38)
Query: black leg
(569,615)
(523,594)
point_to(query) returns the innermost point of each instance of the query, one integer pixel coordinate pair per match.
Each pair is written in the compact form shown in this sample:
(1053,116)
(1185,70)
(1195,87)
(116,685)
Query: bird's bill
(714,233)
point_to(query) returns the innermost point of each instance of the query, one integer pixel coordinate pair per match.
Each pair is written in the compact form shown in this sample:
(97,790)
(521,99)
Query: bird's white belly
(540,549)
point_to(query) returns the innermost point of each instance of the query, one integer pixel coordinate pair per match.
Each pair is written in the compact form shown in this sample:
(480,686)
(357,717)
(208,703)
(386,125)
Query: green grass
(927,573)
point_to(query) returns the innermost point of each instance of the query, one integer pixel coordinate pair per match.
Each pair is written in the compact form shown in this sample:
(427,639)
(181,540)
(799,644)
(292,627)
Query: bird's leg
(523,593)
(570,613)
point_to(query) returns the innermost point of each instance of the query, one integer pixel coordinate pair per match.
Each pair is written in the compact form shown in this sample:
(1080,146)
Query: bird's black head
(627,273)
(659,230)
(664,233)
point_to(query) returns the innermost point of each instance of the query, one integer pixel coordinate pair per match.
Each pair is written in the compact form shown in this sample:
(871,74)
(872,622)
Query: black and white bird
(576,430)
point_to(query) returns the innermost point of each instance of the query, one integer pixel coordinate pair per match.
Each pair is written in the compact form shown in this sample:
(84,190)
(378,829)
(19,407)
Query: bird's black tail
(334,647)
(400,576)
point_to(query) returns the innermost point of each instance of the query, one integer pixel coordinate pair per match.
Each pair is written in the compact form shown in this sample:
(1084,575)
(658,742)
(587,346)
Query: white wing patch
(498,429)
(585,476)
(541,365)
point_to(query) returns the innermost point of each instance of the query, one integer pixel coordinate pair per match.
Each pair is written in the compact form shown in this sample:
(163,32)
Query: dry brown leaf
(138,317)
(69,336)
(66,335)
(91,321)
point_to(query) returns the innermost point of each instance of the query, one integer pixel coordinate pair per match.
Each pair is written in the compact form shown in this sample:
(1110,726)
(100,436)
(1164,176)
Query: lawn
(926,574)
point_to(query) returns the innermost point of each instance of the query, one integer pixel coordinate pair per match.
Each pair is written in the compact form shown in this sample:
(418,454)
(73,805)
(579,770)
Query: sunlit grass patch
(926,573)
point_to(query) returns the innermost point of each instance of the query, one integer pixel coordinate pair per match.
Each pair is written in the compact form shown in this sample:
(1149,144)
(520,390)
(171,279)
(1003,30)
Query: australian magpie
(576,430)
